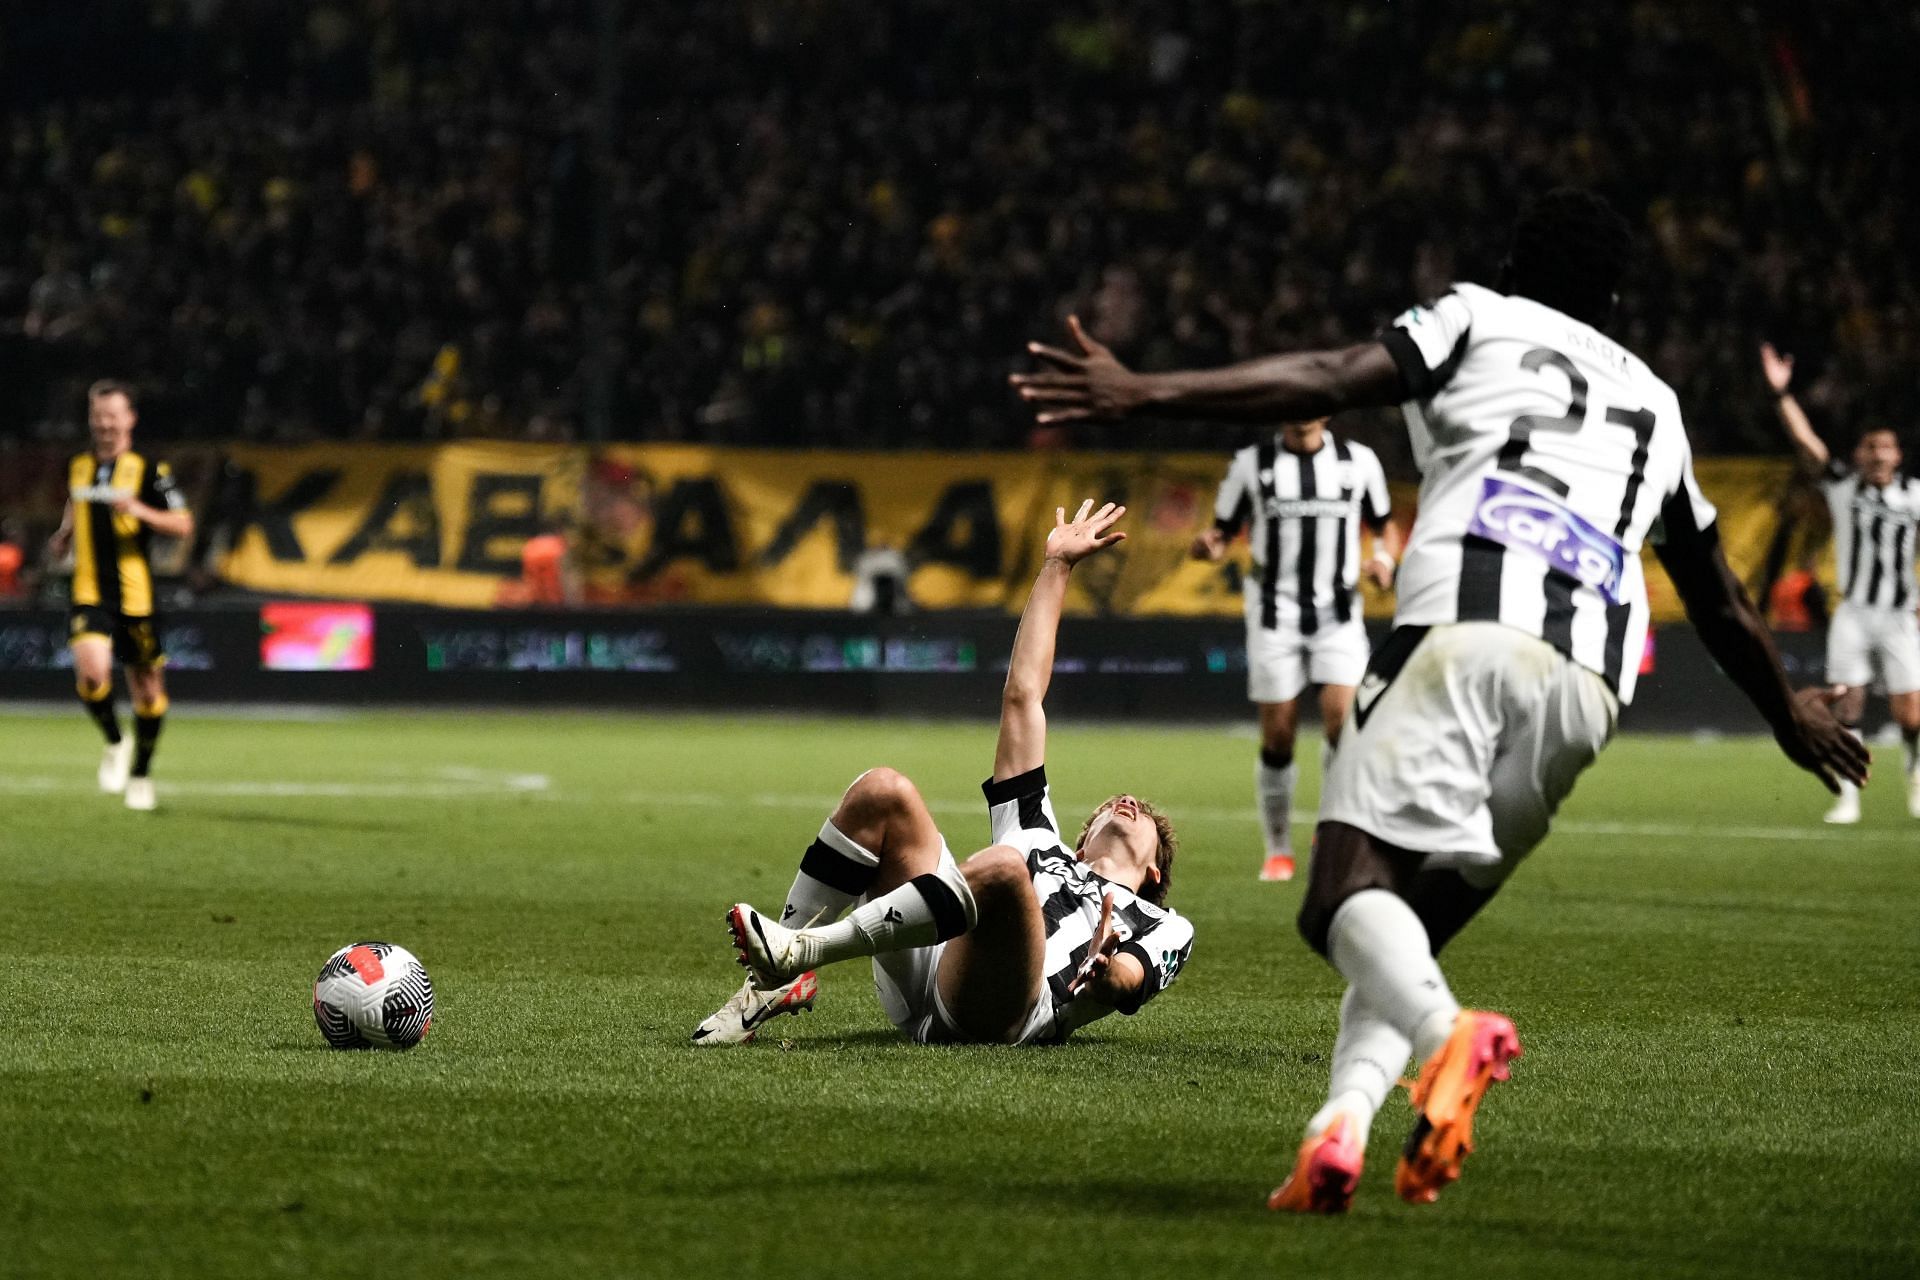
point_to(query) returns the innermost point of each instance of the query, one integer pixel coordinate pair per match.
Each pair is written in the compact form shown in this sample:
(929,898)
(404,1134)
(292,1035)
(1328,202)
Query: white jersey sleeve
(1020,812)
(1375,503)
(1233,507)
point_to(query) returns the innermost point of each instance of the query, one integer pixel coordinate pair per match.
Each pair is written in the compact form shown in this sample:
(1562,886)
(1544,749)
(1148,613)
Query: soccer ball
(373,995)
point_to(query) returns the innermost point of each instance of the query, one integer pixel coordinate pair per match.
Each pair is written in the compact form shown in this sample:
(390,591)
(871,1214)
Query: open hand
(1094,969)
(1778,368)
(1820,744)
(1074,540)
(1079,385)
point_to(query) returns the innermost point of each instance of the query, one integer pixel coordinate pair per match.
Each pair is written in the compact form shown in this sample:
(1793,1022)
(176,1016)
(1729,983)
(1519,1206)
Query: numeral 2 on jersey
(1520,435)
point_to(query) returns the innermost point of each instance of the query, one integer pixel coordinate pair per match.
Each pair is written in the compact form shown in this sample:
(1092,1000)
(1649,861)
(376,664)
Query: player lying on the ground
(1303,494)
(1022,943)
(1549,454)
(1876,534)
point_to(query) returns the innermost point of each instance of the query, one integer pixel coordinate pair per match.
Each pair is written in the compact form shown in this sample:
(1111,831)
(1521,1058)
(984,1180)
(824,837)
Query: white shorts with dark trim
(1863,642)
(1281,662)
(1462,743)
(904,981)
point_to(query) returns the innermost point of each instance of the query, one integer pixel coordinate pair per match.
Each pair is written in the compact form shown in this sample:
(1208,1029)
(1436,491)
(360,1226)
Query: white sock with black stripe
(1273,783)
(834,872)
(925,910)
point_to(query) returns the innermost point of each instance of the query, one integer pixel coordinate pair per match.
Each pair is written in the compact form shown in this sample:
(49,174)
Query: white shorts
(1864,641)
(1465,747)
(905,983)
(1282,662)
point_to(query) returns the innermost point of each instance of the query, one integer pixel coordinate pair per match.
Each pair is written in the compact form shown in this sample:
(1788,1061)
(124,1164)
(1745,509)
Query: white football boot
(140,794)
(116,762)
(770,951)
(1846,810)
(740,1019)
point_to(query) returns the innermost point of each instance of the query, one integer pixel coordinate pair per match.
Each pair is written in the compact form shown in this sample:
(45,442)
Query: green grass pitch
(1720,1001)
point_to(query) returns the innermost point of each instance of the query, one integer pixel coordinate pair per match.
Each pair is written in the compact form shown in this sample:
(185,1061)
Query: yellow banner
(452,524)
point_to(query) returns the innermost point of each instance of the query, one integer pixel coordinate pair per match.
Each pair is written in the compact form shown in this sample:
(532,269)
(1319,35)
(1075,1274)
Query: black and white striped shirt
(1876,534)
(1549,455)
(1020,811)
(1303,512)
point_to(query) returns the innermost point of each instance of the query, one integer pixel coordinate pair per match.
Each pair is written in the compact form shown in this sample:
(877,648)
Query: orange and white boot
(1324,1174)
(1278,866)
(1452,1082)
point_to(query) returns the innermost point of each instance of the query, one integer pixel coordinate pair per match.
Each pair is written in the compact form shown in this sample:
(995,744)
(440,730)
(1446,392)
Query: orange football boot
(1278,866)
(1324,1174)
(1446,1095)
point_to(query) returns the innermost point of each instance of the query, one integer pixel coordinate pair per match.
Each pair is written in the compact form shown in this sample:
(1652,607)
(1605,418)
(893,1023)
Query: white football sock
(1369,1056)
(1379,946)
(835,871)
(925,910)
(1275,789)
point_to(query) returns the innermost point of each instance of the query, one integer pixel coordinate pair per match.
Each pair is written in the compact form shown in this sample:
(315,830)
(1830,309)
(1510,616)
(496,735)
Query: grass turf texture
(1717,997)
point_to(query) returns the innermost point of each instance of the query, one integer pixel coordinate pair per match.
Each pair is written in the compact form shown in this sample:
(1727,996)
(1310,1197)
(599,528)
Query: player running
(1027,940)
(1304,492)
(1876,534)
(116,501)
(1549,455)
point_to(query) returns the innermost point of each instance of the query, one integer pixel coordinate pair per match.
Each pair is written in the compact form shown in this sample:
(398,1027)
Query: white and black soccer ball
(373,995)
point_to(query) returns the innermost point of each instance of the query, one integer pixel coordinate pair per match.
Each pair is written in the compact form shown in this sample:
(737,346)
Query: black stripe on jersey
(836,870)
(1033,812)
(1617,615)
(1879,561)
(1309,552)
(106,549)
(1342,598)
(1264,460)
(1480,566)
(949,916)
(1902,564)
(1853,560)
(1556,628)
(1032,782)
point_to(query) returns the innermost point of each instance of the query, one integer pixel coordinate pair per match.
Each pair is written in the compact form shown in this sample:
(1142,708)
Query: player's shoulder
(1352,450)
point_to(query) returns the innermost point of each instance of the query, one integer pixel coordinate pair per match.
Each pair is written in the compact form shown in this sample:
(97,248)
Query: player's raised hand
(1820,744)
(1080,385)
(1099,962)
(1778,368)
(1076,539)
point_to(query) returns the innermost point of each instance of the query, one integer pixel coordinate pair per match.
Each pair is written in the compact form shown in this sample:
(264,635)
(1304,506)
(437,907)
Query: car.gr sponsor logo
(1306,508)
(99,493)
(1522,518)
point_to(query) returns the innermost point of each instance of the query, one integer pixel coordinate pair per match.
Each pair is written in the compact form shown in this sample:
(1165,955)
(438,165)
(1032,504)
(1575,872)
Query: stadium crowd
(833,223)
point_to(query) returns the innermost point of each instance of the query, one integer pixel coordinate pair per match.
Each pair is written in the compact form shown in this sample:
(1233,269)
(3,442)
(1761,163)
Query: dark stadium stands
(833,223)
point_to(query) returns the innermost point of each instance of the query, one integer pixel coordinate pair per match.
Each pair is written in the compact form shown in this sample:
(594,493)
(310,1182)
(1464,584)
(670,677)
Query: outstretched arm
(1806,441)
(1091,383)
(1739,641)
(1023,719)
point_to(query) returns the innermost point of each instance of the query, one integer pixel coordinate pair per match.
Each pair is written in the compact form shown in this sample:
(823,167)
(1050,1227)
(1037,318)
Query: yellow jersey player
(116,501)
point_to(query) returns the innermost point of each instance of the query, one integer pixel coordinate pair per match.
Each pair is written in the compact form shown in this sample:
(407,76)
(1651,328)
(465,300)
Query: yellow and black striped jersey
(110,566)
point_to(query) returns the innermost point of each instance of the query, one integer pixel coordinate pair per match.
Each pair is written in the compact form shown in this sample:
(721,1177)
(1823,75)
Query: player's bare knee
(995,871)
(875,797)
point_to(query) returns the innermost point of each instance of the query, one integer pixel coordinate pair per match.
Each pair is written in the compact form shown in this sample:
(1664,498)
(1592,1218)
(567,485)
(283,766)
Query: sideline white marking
(461,784)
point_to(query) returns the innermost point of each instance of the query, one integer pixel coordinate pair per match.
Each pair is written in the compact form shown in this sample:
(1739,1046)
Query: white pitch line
(1654,830)
(524,784)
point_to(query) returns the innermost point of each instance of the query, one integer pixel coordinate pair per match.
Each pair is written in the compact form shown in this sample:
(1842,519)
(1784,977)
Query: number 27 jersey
(1549,455)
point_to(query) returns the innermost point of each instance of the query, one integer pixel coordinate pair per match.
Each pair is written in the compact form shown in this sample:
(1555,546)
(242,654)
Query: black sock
(146,733)
(1912,738)
(101,709)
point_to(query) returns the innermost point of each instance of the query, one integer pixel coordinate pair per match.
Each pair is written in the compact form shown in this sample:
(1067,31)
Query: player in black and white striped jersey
(1303,495)
(1025,942)
(1549,455)
(1876,535)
